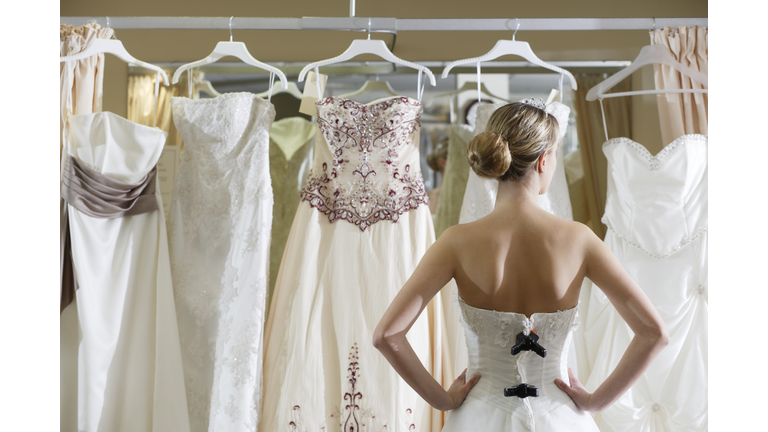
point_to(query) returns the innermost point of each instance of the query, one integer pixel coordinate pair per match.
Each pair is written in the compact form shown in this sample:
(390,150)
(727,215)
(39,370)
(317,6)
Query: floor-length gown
(221,216)
(359,232)
(81,85)
(291,141)
(490,336)
(129,357)
(656,213)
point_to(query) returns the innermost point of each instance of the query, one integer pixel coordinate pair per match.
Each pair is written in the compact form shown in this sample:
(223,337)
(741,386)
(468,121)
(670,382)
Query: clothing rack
(386,25)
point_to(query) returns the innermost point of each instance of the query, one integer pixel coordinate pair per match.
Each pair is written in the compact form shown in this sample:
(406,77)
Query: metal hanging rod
(387,25)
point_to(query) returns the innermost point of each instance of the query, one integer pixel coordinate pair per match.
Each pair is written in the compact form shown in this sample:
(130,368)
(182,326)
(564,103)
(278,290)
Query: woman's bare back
(524,260)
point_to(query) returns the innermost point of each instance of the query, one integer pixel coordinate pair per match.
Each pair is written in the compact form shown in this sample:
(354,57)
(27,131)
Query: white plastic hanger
(206,87)
(509,47)
(371,85)
(235,49)
(116,48)
(376,47)
(467,86)
(650,54)
(292,90)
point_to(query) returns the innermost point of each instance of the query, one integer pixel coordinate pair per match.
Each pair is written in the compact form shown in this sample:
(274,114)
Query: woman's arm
(433,272)
(606,272)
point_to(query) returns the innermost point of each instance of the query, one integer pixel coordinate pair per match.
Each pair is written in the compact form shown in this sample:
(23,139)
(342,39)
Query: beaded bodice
(366,166)
(657,204)
(490,336)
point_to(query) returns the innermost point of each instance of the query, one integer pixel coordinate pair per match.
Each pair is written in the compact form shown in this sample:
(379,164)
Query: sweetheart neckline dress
(656,214)
(361,228)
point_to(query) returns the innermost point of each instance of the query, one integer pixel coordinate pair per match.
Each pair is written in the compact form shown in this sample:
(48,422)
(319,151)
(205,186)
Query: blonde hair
(516,136)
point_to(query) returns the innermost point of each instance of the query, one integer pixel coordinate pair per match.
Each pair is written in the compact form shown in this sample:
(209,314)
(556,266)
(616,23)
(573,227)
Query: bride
(519,271)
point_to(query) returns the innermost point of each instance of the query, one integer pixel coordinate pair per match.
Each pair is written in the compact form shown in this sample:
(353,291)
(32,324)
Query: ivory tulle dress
(359,232)
(221,217)
(656,213)
(490,336)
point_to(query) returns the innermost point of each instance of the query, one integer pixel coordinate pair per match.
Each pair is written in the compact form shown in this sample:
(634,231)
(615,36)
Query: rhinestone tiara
(535,102)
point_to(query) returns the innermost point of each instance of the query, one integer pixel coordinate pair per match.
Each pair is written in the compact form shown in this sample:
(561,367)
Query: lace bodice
(490,336)
(675,213)
(225,162)
(366,166)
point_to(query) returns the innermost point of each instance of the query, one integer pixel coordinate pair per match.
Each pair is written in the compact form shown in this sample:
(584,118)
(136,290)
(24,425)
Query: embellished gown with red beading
(360,230)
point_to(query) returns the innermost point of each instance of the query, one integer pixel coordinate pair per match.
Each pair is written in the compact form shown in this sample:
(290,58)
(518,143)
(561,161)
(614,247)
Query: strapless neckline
(557,312)
(386,99)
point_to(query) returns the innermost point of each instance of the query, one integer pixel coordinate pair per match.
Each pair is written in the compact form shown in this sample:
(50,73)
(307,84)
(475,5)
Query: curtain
(589,204)
(681,114)
(141,100)
(81,90)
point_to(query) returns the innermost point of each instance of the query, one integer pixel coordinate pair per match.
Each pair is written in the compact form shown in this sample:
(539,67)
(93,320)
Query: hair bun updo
(488,155)
(515,137)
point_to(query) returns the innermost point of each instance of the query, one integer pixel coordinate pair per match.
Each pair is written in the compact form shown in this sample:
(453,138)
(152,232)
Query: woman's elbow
(661,336)
(664,337)
(378,340)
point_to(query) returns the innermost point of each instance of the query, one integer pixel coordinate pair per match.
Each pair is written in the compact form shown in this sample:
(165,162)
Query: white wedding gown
(129,361)
(360,230)
(480,195)
(221,217)
(490,336)
(656,213)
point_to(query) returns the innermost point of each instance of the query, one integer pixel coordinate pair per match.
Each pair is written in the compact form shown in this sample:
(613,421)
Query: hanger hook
(654,23)
(230,28)
(107,22)
(369,28)
(516,28)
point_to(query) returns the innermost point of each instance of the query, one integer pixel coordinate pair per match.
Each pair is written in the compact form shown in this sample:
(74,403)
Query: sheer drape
(80,80)
(141,99)
(81,90)
(618,116)
(681,114)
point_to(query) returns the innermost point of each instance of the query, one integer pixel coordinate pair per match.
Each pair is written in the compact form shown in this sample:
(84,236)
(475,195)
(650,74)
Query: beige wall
(303,46)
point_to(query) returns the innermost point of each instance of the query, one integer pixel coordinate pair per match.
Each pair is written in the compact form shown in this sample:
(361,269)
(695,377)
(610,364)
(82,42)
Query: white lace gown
(221,217)
(129,359)
(490,336)
(359,232)
(480,195)
(656,213)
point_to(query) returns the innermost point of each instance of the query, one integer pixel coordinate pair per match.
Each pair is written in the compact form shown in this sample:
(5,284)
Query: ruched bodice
(490,336)
(366,166)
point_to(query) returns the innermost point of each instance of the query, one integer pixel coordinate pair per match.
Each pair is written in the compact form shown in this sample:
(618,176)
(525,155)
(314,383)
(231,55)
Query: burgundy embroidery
(351,423)
(354,418)
(364,182)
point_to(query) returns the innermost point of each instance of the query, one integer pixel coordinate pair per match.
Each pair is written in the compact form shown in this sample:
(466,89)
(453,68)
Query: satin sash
(97,195)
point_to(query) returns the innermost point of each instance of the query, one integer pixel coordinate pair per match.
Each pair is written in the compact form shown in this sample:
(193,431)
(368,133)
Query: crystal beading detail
(365,182)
